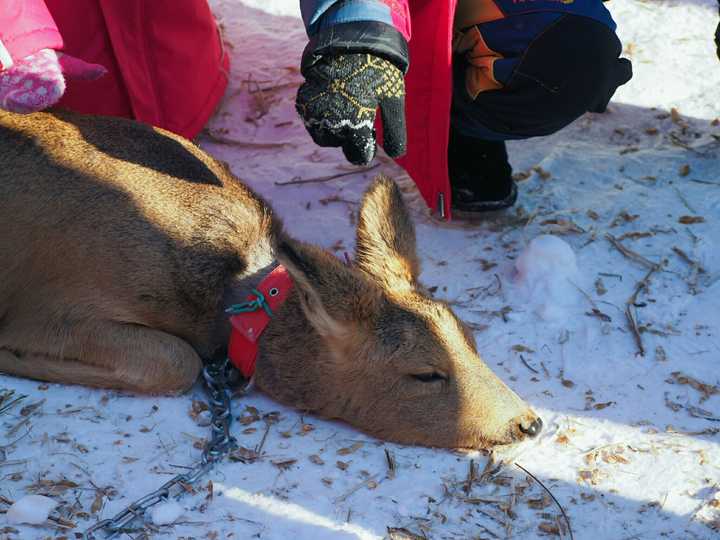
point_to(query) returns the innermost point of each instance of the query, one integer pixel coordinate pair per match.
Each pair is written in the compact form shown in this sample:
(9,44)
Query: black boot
(480,174)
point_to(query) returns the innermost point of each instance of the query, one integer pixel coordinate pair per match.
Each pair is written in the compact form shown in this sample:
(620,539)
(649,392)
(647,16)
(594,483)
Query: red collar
(249,319)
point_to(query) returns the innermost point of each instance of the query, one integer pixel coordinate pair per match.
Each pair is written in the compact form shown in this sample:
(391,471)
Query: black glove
(339,100)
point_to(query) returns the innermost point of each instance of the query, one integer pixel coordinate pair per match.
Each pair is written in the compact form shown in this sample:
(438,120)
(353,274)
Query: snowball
(31,509)
(165,513)
(546,276)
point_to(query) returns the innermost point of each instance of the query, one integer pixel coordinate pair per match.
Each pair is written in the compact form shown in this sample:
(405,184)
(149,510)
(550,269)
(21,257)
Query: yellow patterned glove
(339,100)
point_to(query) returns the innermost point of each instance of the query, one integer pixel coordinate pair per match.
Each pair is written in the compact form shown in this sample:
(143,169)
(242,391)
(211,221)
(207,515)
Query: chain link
(252,305)
(217,378)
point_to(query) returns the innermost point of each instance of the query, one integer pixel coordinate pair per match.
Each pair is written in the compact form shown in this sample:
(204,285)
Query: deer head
(366,344)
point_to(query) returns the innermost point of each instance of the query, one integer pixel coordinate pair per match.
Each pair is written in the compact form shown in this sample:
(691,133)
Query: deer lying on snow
(122,245)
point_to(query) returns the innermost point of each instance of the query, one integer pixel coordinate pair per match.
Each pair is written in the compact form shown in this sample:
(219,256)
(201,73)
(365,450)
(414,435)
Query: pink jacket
(26,26)
(165,62)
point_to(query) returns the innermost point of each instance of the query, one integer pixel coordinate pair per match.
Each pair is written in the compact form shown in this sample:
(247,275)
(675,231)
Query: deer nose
(533,429)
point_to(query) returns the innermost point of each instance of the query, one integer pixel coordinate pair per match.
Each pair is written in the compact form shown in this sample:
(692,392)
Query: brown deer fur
(122,244)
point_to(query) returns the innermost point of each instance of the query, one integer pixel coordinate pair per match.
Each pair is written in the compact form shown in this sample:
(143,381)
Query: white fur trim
(6,61)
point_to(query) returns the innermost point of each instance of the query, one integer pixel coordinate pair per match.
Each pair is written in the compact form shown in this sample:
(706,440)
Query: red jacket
(165,60)
(429,95)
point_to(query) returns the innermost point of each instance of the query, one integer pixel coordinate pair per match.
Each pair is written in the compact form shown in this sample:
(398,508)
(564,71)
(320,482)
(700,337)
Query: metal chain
(252,305)
(217,377)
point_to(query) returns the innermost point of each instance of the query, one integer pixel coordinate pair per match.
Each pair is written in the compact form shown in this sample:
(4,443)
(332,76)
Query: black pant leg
(573,67)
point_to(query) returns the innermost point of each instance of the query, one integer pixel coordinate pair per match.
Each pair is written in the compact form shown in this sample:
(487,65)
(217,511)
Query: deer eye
(432,376)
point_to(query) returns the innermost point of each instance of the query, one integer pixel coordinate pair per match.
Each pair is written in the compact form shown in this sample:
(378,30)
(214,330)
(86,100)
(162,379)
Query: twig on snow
(490,532)
(220,139)
(562,511)
(713,491)
(13,462)
(470,478)
(6,403)
(684,256)
(629,253)
(296,181)
(391,463)
(642,285)
(632,323)
(8,445)
(677,141)
(695,269)
(708,182)
(362,484)
(259,448)
(275,87)
(595,311)
(522,359)
(684,200)
(630,315)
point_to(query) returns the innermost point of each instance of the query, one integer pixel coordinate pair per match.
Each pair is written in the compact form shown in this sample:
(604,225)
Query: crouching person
(475,74)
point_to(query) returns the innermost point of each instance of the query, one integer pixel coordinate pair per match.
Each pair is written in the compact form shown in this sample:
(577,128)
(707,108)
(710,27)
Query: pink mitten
(36,82)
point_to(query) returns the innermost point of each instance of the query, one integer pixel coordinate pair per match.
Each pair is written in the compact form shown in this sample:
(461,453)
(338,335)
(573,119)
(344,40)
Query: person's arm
(26,27)
(354,62)
(352,26)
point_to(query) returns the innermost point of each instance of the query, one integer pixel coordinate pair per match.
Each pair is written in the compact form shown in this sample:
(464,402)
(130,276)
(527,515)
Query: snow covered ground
(631,447)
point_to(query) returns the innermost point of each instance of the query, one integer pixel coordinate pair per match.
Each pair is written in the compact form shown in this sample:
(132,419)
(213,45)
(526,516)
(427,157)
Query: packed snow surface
(631,443)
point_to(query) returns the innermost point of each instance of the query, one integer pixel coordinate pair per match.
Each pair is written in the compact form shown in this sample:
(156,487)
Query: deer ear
(334,297)
(385,245)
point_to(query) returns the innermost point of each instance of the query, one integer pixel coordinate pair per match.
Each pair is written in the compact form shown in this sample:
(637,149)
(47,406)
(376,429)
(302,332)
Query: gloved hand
(339,99)
(36,82)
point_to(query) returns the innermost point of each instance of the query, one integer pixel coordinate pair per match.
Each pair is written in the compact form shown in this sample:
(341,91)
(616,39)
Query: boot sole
(482,209)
